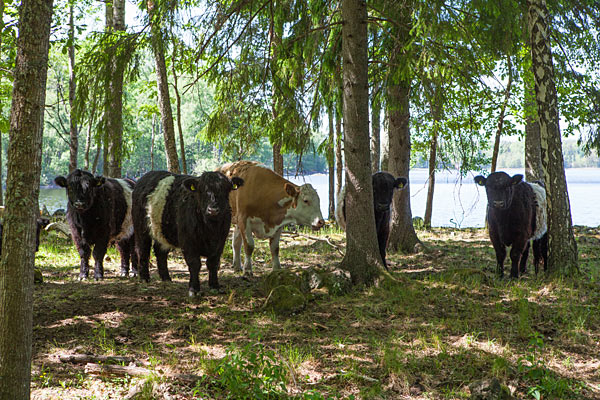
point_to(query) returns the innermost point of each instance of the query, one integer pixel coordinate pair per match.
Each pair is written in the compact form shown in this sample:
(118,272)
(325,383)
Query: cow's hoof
(248,275)
(193,293)
(99,278)
(82,278)
(217,290)
(124,274)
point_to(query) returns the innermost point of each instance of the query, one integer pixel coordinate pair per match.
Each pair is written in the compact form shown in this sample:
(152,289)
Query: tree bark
(562,256)
(73,130)
(534,170)
(362,258)
(331,165)
(375,128)
(179,124)
(277,159)
(113,109)
(1,163)
(23,185)
(152,142)
(164,100)
(402,235)
(436,104)
(496,150)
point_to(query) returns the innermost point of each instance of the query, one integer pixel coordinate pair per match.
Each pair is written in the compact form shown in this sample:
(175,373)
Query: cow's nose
(79,204)
(212,211)
(318,225)
(498,203)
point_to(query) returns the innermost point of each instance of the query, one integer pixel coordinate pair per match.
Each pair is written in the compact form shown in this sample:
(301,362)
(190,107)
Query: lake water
(461,203)
(457,202)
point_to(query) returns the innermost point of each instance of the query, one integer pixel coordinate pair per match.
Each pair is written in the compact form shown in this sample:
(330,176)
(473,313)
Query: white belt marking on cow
(127,225)
(154,209)
(541,218)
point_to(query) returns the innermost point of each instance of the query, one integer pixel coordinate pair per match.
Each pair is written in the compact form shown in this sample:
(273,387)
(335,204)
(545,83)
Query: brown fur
(259,196)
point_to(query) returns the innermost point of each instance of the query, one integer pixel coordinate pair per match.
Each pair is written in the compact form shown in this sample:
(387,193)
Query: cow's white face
(308,207)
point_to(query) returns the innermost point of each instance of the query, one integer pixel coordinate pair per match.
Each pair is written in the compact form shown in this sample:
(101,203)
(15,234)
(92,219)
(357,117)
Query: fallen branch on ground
(326,239)
(59,226)
(88,358)
(104,370)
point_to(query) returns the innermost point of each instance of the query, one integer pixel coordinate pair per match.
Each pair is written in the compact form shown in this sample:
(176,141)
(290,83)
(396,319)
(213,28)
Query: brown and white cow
(263,206)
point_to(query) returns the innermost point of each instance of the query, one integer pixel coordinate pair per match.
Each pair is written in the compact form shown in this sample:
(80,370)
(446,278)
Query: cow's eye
(306,201)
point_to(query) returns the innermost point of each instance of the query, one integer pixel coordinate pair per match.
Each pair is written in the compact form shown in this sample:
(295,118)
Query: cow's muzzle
(79,205)
(499,203)
(212,212)
(318,225)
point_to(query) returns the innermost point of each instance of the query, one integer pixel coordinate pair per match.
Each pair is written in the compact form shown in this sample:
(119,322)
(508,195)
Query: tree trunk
(402,235)
(331,166)
(339,161)
(115,19)
(375,128)
(73,131)
(436,104)
(502,114)
(88,141)
(23,186)
(534,170)
(362,258)
(1,30)
(179,124)
(277,159)
(562,256)
(164,100)
(152,142)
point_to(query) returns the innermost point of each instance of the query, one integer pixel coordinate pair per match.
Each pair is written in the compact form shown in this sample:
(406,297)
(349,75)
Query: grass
(446,323)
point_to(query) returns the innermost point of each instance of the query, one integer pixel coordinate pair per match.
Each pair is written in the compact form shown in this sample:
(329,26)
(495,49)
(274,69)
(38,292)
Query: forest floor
(446,322)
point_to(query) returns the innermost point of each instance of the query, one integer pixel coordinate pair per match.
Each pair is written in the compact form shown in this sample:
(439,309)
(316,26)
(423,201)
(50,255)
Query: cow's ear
(99,180)
(291,190)
(480,180)
(61,181)
(190,184)
(237,182)
(400,183)
(517,178)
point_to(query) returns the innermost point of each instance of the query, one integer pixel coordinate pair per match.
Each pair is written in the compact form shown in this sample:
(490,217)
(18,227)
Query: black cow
(98,212)
(516,214)
(384,184)
(182,211)
(40,224)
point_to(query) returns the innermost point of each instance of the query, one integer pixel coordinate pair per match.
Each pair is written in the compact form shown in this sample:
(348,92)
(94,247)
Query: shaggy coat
(186,212)
(99,212)
(384,185)
(516,214)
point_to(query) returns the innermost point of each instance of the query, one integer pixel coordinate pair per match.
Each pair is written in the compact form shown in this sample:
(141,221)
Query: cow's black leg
(125,251)
(85,251)
(516,253)
(500,250)
(99,252)
(524,256)
(133,256)
(383,232)
(194,263)
(537,255)
(161,261)
(212,264)
(143,243)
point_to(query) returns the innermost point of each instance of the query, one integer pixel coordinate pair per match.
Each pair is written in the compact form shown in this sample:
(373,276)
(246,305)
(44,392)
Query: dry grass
(448,322)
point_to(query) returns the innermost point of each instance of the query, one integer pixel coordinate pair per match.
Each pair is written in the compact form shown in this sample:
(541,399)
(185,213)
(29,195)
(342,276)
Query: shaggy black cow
(40,224)
(186,212)
(98,212)
(384,184)
(516,214)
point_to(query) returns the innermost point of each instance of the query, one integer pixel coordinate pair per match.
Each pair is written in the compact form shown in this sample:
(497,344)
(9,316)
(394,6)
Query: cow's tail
(541,216)
(339,209)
